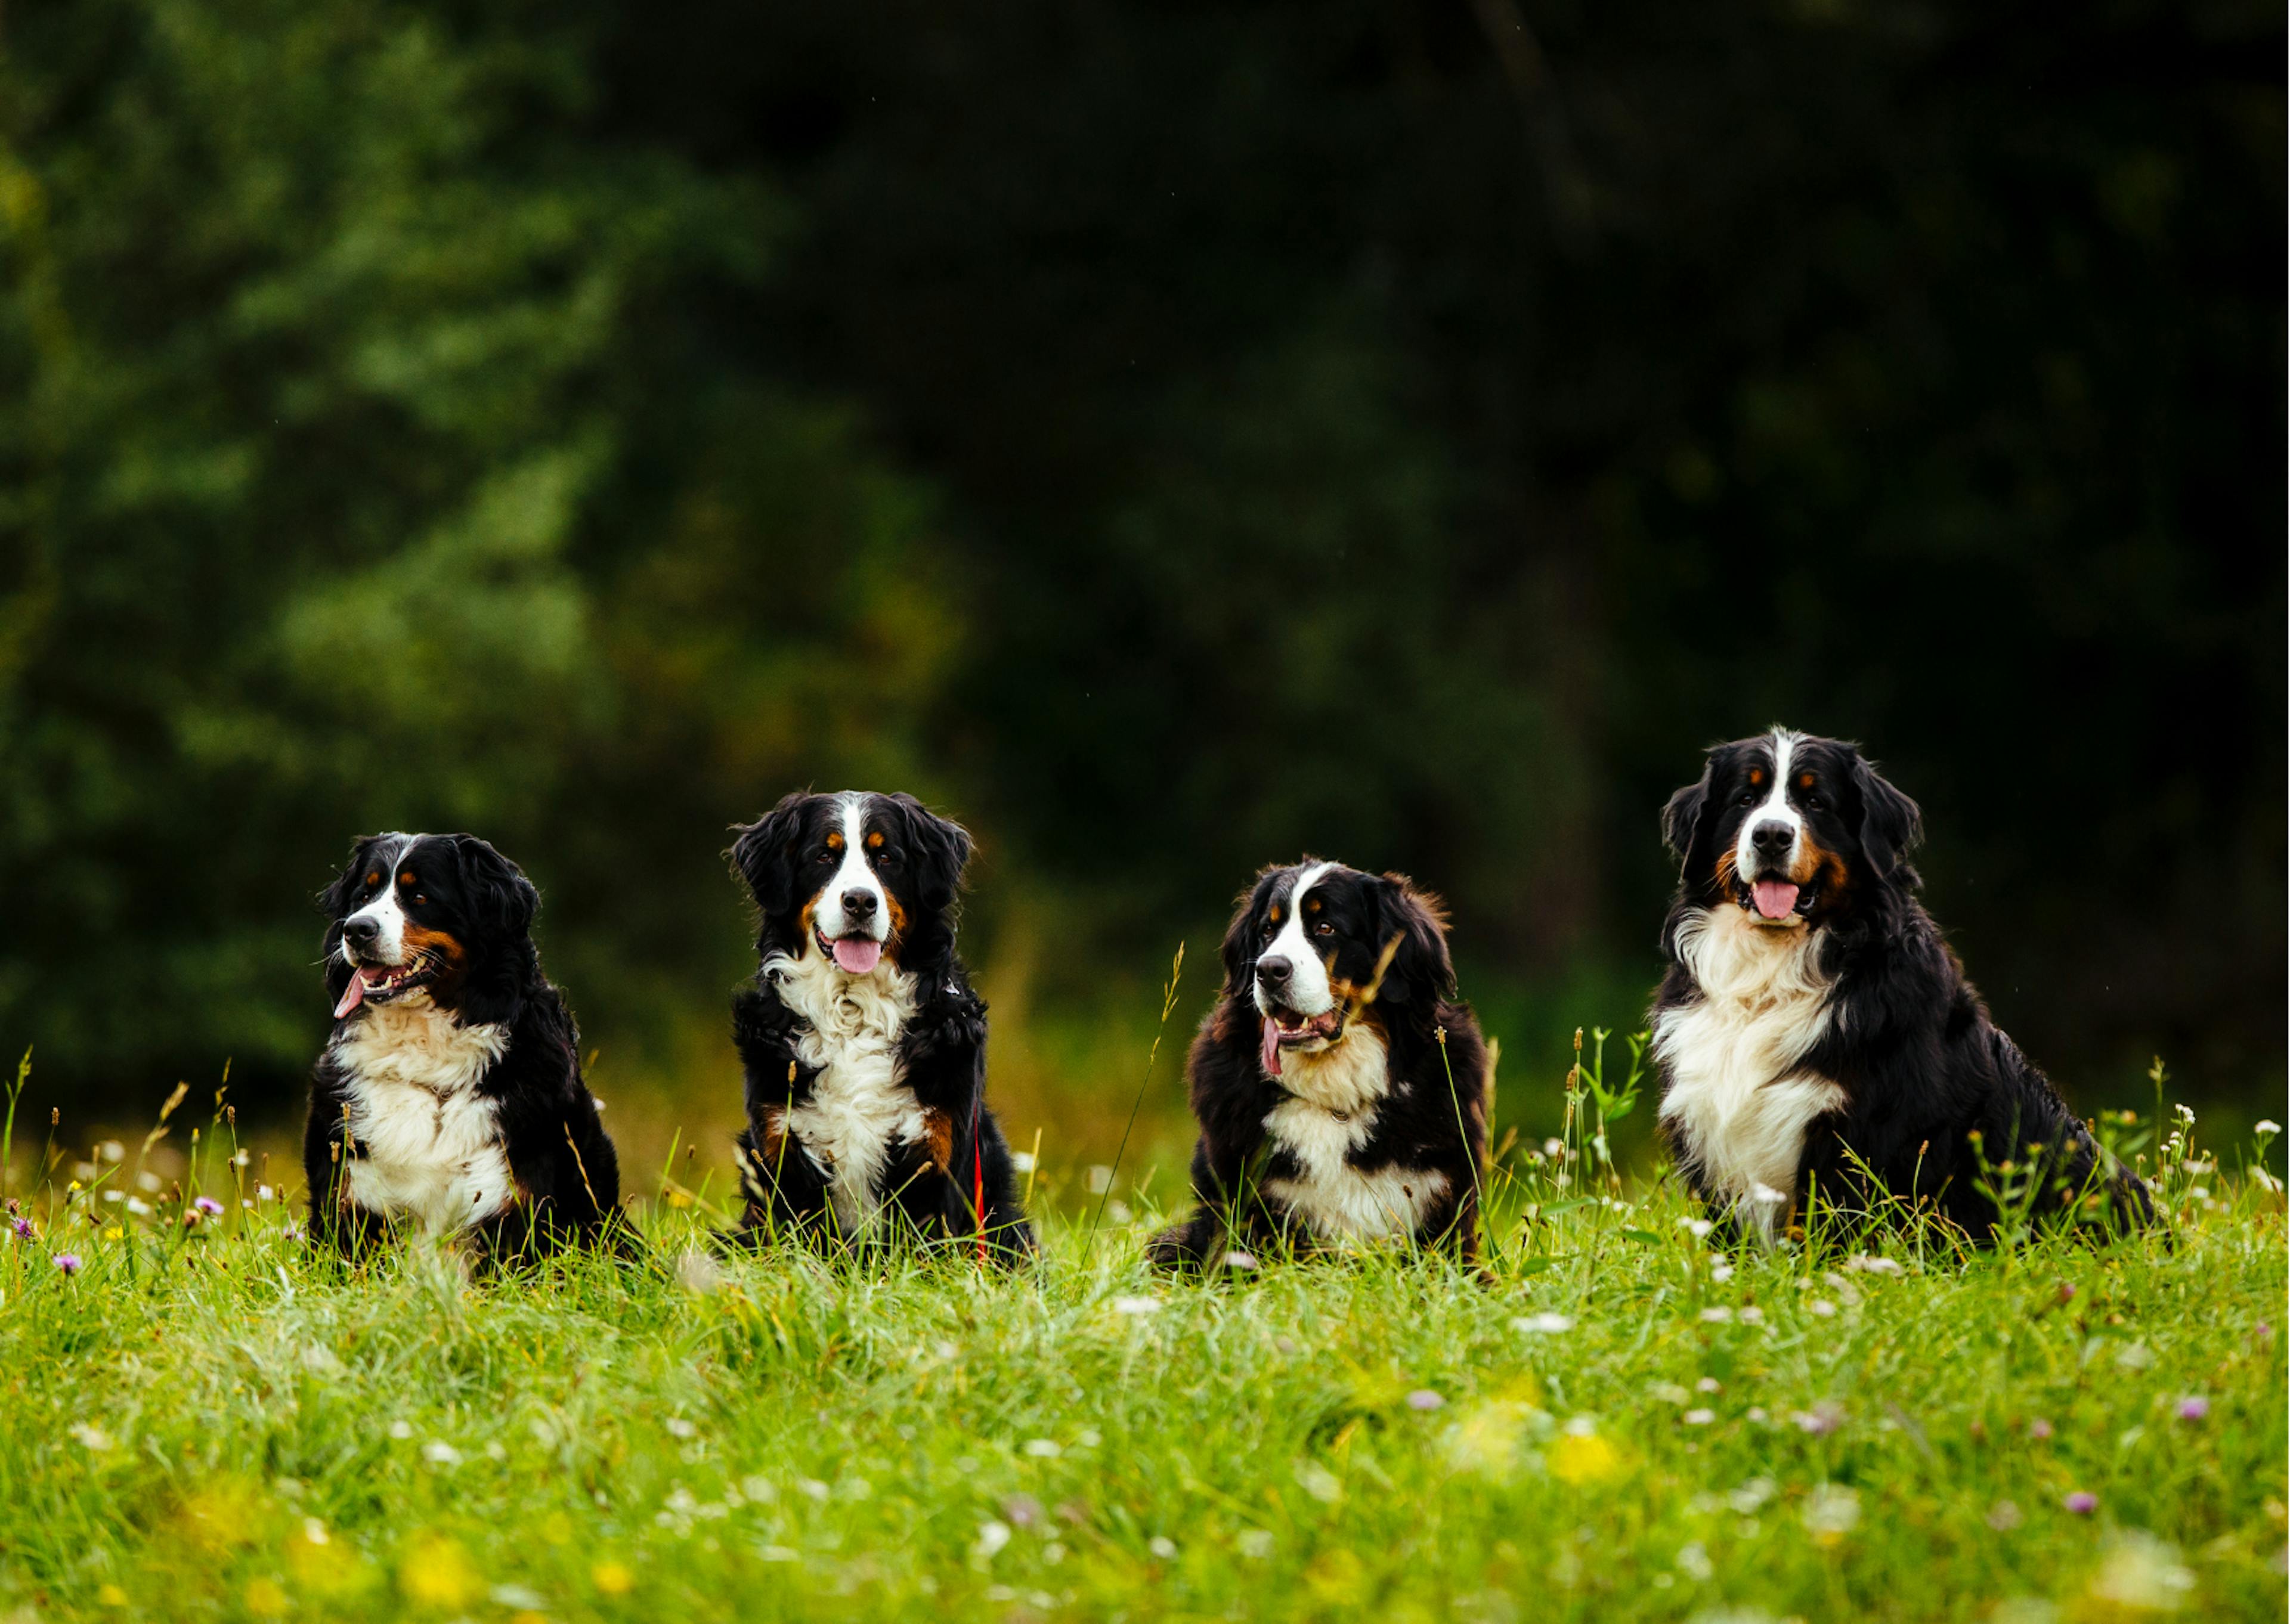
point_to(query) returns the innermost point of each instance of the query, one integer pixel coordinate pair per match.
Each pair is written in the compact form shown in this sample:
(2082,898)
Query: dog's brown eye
(1812,803)
(1324,928)
(418,898)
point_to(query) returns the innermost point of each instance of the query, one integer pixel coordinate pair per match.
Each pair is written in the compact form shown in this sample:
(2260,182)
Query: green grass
(206,1423)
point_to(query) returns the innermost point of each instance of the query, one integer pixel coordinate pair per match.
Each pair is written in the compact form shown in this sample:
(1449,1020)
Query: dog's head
(1788,827)
(1317,946)
(857,876)
(417,917)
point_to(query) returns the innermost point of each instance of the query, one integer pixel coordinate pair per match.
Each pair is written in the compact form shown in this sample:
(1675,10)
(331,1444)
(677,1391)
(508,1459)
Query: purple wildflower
(2194,1409)
(23,1229)
(208,1206)
(1424,1398)
(1823,1419)
(68,1261)
(2039,1428)
(1023,1510)
(2082,1502)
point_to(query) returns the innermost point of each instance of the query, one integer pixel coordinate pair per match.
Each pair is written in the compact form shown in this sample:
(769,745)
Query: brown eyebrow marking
(1276,913)
(1311,904)
(875,843)
(374,878)
(1804,780)
(1756,776)
(406,878)
(835,840)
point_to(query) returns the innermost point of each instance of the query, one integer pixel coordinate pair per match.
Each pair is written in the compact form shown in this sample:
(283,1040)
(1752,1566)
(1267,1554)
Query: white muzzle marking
(1775,809)
(855,875)
(1308,992)
(384,910)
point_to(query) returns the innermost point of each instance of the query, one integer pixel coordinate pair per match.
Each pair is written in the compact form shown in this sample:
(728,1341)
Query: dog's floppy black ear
(1421,970)
(501,899)
(764,855)
(1890,825)
(334,901)
(1245,934)
(938,847)
(1681,819)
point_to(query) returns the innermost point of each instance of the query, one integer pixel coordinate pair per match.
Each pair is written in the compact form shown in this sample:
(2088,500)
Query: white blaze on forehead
(855,875)
(384,909)
(1775,808)
(1308,993)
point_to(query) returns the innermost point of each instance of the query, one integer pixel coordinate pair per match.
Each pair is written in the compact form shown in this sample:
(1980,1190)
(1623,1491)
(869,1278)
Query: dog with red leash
(863,1045)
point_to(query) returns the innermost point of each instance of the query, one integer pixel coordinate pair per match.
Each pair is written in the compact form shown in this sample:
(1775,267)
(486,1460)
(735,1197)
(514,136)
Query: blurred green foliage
(1171,437)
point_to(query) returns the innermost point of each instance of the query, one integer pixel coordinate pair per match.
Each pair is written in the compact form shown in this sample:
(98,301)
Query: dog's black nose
(362,933)
(1274,972)
(1771,838)
(857,904)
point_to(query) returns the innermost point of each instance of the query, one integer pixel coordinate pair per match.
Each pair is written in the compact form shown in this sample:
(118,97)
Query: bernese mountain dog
(1340,1086)
(449,1098)
(864,1046)
(1816,1038)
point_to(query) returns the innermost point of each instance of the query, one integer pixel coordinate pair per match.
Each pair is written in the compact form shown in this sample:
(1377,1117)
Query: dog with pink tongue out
(1824,1059)
(1340,1085)
(864,1046)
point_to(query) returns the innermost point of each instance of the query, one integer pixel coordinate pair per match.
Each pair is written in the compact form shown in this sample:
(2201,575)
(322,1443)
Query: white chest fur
(1739,1100)
(428,1145)
(859,1105)
(1328,1112)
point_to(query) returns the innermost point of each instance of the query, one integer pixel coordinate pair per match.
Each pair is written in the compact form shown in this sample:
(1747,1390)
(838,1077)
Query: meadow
(199,1420)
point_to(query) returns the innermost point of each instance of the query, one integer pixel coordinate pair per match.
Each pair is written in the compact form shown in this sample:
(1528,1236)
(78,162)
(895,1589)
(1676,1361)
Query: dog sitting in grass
(449,1098)
(1340,1087)
(1817,1039)
(863,1045)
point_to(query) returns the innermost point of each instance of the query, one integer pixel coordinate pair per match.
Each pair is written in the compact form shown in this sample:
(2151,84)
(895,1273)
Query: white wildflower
(1830,1512)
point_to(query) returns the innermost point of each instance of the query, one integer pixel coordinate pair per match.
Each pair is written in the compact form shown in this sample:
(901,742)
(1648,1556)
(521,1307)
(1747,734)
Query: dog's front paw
(1175,1248)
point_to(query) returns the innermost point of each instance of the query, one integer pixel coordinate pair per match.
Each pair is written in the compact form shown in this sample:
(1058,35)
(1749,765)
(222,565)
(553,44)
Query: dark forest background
(1171,437)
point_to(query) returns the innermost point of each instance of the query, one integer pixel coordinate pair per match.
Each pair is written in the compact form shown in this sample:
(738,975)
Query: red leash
(978,1176)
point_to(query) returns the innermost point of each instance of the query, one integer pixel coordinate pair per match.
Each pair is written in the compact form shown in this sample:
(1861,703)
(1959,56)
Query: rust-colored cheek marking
(809,920)
(898,912)
(1727,874)
(440,945)
(1813,859)
(938,1136)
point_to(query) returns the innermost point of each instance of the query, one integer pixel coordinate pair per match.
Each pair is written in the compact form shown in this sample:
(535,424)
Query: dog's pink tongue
(855,955)
(1271,1048)
(1775,897)
(352,996)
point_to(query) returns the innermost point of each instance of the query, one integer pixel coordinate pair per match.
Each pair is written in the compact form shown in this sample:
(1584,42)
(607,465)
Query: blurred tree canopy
(1170,437)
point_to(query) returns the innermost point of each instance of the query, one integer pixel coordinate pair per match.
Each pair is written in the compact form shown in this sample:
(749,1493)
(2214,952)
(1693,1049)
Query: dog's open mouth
(1285,1028)
(1776,900)
(853,954)
(380,984)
